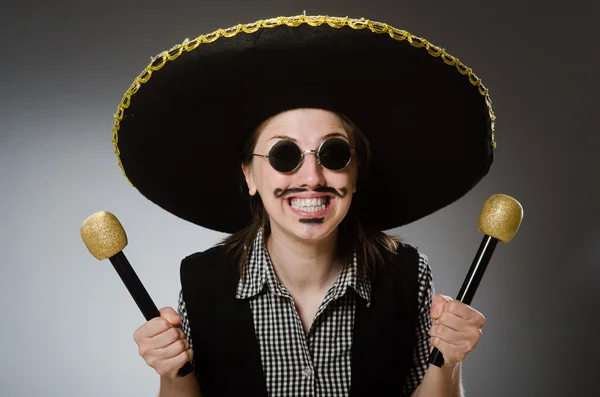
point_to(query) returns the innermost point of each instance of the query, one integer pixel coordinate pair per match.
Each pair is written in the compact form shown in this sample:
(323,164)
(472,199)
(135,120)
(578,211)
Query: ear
(247,170)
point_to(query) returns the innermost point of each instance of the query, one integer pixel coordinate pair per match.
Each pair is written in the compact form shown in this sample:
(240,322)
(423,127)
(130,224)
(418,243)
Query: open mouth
(316,206)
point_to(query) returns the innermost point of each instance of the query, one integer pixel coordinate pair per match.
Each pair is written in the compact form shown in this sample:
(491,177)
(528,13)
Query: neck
(304,266)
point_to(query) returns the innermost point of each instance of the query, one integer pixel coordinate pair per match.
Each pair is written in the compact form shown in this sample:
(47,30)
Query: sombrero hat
(180,127)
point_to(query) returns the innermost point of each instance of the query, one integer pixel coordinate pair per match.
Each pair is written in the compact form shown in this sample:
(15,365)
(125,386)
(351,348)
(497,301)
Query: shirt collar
(259,272)
(255,274)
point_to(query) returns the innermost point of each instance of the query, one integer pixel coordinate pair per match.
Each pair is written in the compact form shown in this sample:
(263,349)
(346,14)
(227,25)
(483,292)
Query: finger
(466,338)
(169,314)
(166,338)
(438,305)
(172,365)
(173,350)
(466,312)
(452,353)
(452,321)
(190,354)
(151,328)
(447,334)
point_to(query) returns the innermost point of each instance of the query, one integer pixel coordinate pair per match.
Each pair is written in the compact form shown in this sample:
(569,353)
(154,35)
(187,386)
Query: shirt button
(307,372)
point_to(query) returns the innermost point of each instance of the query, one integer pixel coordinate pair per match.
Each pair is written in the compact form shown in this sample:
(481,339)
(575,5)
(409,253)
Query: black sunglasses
(286,157)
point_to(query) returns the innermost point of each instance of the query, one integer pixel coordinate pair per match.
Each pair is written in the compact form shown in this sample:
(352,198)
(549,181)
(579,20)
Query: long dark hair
(370,245)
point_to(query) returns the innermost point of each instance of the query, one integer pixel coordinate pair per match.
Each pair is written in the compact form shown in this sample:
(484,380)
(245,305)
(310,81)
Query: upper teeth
(315,202)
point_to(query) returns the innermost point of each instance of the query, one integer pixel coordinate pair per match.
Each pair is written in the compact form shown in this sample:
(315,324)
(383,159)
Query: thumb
(170,315)
(438,305)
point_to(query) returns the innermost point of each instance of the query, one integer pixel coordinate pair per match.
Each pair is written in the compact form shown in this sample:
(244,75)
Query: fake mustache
(279,193)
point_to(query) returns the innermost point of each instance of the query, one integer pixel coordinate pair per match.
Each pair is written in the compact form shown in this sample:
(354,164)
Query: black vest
(226,351)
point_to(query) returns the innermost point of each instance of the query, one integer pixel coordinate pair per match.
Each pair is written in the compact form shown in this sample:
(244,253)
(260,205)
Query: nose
(310,173)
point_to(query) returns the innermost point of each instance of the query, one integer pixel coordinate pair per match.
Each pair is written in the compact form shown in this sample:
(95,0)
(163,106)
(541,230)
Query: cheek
(267,181)
(341,180)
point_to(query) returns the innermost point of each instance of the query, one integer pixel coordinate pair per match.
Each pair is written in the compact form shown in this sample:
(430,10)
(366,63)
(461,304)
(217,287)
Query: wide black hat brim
(180,129)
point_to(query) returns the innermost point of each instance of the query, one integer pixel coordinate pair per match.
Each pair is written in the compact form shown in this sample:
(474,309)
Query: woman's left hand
(456,328)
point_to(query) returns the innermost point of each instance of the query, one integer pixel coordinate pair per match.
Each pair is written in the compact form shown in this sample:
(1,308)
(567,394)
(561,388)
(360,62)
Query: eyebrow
(289,138)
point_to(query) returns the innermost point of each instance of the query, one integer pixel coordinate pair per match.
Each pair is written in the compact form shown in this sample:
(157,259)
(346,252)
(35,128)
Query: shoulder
(209,276)
(203,257)
(406,248)
(407,253)
(397,281)
(408,258)
(208,263)
(423,269)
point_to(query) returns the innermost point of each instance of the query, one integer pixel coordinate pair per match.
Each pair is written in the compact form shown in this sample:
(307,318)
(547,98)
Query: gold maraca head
(501,217)
(103,235)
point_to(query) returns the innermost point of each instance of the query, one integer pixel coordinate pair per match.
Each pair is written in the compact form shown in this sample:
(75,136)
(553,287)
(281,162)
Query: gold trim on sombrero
(335,22)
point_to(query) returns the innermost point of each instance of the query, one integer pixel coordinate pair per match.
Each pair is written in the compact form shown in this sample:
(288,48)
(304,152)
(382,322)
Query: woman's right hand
(162,344)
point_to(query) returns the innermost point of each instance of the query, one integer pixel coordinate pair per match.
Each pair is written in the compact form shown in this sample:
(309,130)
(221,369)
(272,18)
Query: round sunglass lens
(285,156)
(335,154)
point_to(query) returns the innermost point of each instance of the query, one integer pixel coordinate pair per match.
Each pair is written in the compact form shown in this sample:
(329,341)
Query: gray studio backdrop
(67,320)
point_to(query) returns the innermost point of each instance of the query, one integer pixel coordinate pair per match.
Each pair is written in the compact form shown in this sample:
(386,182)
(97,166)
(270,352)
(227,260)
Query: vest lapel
(244,350)
(383,337)
(226,349)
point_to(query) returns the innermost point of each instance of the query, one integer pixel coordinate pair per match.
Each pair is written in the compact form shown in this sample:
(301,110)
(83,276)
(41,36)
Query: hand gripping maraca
(499,220)
(104,237)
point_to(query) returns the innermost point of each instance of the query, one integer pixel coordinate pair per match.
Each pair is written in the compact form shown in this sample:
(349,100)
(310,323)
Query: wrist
(170,381)
(451,366)
(180,386)
(451,371)
(444,381)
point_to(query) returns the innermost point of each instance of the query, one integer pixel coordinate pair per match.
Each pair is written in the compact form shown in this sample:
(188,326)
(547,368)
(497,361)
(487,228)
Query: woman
(307,296)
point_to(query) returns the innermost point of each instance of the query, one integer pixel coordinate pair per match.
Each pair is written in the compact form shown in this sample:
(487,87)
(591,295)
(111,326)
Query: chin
(313,231)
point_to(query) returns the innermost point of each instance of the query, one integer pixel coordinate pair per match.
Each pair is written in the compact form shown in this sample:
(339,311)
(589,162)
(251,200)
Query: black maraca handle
(467,291)
(186,369)
(436,358)
(140,295)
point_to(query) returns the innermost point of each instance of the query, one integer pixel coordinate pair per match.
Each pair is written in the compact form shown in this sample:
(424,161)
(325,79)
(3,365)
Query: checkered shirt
(318,363)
